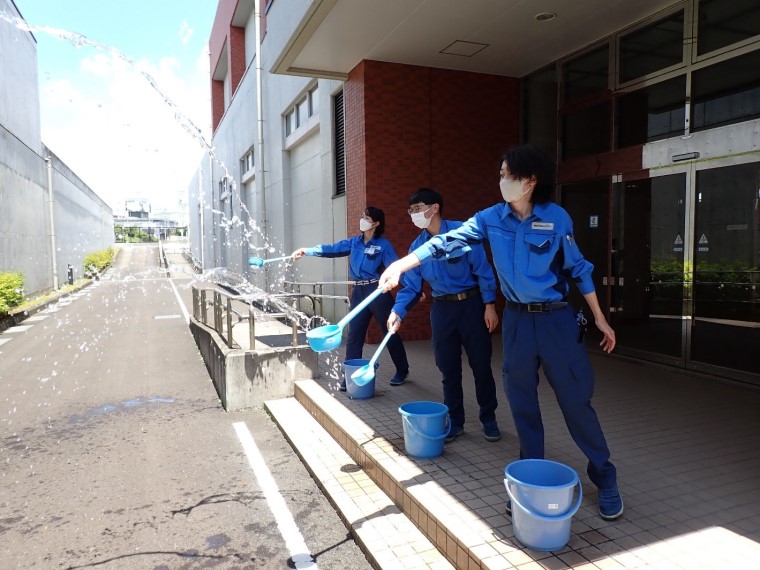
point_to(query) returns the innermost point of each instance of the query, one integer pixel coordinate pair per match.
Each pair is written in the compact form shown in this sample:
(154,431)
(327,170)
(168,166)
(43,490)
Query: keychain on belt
(580,318)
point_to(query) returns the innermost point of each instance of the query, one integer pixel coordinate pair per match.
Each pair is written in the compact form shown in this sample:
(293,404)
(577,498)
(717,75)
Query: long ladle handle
(276,259)
(358,308)
(380,348)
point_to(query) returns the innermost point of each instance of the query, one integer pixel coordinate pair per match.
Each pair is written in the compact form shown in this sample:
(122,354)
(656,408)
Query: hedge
(99,260)
(11,291)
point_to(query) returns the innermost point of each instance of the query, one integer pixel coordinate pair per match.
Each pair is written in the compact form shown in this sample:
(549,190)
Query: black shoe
(508,508)
(491,431)
(610,504)
(454,432)
(399,378)
(342,386)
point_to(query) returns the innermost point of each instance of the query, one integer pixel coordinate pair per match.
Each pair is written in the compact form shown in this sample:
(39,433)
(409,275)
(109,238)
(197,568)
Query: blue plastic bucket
(426,424)
(354,390)
(541,492)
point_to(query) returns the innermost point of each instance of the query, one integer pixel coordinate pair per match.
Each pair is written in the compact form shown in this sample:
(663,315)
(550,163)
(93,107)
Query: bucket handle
(547,518)
(433,437)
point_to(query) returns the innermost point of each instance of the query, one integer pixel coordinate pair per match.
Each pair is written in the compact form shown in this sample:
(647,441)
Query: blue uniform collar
(538,211)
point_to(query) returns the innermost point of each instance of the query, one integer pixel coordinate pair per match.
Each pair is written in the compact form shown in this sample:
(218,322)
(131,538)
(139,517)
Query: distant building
(138,218)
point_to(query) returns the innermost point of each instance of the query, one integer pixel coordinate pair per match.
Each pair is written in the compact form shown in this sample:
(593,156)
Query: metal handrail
(317,292)
(223,312)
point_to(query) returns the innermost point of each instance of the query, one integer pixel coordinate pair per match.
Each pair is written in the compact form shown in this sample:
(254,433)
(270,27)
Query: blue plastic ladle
(259,262)
(365,374)
(328,337)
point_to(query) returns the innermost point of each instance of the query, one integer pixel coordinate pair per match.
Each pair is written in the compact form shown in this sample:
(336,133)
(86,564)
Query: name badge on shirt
(372,249)
(542,226)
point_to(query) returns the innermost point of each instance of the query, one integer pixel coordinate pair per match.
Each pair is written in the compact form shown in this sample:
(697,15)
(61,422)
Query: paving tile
(668,433)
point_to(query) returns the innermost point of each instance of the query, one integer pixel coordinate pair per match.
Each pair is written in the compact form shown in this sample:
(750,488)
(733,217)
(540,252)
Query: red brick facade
(229,39)
(409,127)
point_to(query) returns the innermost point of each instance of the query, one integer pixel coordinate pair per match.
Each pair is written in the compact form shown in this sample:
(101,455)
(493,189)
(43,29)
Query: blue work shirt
(447,276)
(535,258)
(366,260)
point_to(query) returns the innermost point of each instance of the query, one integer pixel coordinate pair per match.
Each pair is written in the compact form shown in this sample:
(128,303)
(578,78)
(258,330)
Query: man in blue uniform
(462,314)
(536,258)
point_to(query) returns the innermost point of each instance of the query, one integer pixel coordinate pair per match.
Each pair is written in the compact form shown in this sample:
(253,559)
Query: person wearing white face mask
(369,254)
(462,315)
(537,259)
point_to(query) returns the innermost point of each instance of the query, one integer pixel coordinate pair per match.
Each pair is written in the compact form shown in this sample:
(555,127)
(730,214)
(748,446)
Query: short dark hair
(427,196)
(378,216)
(526,161)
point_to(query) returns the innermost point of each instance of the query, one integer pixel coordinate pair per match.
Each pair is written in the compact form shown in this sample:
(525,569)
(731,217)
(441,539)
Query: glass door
(725,332)
(649,281)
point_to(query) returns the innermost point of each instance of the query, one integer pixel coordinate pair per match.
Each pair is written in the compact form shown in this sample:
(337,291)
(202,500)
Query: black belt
(366,282)
(537,307)
(458,296)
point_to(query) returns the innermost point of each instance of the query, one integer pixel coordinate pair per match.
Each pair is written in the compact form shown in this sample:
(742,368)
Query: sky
(99,113)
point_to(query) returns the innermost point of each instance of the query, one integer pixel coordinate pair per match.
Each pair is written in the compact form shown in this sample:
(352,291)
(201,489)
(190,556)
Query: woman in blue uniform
(536,258)
(369,254)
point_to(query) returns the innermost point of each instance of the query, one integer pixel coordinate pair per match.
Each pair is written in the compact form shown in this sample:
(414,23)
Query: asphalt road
(115,451)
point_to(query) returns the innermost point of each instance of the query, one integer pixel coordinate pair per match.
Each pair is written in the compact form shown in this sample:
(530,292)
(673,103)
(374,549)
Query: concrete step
(388,538)
(423,489)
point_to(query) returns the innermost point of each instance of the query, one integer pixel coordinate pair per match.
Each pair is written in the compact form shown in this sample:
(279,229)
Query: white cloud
(122,138)
(185,32)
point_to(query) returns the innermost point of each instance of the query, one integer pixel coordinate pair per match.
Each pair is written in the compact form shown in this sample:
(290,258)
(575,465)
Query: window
(340,145)
(290,122)
(586,131)
(723,23)
(246,162)
(653,113)
(586,75)
(306,107)
(652,48)
(302,111)
(727,92)
(539,110)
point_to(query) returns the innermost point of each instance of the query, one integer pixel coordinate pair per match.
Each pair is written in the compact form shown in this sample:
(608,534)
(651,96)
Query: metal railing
(224,312)
(317,292)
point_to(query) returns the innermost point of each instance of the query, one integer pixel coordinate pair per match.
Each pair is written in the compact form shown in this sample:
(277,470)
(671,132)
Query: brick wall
(409,127)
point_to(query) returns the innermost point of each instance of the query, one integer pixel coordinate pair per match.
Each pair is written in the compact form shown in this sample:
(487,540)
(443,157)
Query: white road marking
(294,542)
(159,317)
(36,318)
(17,329)
(181,304)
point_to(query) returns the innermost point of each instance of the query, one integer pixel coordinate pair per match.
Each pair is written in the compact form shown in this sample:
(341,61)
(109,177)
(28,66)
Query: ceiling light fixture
(545,16)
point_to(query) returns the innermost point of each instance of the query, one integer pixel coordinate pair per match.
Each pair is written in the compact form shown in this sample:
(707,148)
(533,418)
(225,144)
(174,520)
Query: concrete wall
(19,89)
(83,223)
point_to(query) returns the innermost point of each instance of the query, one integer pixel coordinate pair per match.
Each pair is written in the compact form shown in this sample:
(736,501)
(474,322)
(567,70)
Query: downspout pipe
(53,256)
(202,207)
(259,162)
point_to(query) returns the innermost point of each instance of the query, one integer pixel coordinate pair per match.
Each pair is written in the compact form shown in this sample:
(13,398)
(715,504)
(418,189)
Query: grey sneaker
(454,432)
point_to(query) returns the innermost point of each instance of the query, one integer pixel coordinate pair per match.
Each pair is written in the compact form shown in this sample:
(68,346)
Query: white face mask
(364,225)
(511,189)
(419,219)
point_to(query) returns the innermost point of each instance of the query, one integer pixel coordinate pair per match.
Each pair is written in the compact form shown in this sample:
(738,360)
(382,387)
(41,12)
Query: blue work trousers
(550,339)
(380,308)
(457,324)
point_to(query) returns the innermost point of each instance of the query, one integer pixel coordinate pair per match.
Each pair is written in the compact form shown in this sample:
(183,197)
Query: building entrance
(678,261)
